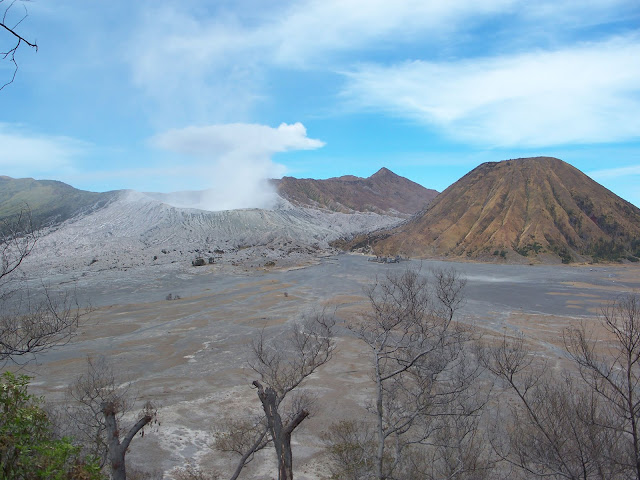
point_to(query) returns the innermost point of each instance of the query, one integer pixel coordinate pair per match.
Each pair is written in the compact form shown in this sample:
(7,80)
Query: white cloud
(236,138)
(25,153)
(236,159)
(204,62)
(213,66)
(311,30)
(584,94)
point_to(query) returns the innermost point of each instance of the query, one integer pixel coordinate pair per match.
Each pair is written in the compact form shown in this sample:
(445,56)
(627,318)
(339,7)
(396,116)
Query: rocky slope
(137,230)
(383,192)
(518,210)
(125,229)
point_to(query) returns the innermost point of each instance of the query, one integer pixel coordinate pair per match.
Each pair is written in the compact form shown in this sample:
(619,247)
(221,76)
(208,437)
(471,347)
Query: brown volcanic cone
(382,192)
(527,207)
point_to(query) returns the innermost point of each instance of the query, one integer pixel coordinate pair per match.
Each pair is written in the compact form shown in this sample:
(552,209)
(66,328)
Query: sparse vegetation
(565,255)
(524,250)
(584,203)
(607,250)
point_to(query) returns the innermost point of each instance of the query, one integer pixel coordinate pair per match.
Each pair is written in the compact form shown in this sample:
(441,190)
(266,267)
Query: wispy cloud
(25,153)
(212,63)
(198,62)
(311,31)
(236,159)
(194,68)
(584,94)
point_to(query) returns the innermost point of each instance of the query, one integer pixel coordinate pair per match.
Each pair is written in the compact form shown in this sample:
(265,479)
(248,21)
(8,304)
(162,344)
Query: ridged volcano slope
(383,192)
(532,207)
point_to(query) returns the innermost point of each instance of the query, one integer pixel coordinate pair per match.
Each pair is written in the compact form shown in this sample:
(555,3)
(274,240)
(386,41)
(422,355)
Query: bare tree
(283,363)
(30,322)
(9,25)
(422,371)
(191,472)
(351,448)
(611,369)
(242,437)
(102,403)
(555,428)
(18,239)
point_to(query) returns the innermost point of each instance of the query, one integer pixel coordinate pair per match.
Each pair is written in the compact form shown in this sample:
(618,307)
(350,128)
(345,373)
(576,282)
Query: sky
(169,96)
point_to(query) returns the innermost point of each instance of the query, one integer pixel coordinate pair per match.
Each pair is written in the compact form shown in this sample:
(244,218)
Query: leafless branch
(244,438)
(10,54)
(423,373)
(283,363)
(612,371)
(31,322)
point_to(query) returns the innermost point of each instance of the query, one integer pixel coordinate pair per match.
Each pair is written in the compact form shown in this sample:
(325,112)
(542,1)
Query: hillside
(124,228)
(137,230)
(518,210)
(50,202)
(383,192)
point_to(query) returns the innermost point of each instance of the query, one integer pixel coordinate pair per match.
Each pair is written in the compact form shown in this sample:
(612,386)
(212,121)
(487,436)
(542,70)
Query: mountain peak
(383,192)
(528,207)
(383,172)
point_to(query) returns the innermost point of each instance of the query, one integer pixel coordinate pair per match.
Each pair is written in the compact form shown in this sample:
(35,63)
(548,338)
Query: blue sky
(167,96)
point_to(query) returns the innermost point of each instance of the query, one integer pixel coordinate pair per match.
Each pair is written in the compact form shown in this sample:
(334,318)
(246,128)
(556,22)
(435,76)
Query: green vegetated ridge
(524,209)
(49,201)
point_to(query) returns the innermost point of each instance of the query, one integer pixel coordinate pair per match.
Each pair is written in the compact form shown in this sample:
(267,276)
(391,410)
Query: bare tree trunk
(283,364)
(115,453)
(116,449)
(259,444)
(280,433)
(380,413)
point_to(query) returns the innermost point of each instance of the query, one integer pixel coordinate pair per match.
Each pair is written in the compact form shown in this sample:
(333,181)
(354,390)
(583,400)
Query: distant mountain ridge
(49,201)
(383,192)
(523,210)
(124,228)
(531,207)
(52,202)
